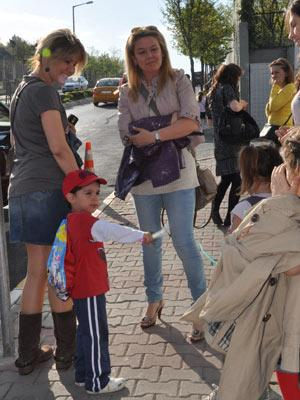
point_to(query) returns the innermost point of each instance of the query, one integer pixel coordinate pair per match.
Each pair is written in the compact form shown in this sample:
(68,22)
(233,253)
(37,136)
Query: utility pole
(73,12)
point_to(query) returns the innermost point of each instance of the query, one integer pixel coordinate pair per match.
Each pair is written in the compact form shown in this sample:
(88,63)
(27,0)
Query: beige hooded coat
(250,290)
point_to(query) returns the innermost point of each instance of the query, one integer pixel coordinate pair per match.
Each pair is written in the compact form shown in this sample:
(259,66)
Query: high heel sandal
(196,336)
(148,320)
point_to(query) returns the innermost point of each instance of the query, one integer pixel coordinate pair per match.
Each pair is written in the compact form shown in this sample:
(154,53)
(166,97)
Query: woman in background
(223,93)
(202,107)
(278,108)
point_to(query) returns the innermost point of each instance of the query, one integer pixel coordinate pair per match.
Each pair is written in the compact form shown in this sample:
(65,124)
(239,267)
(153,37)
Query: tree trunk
(192,71)
(202,74)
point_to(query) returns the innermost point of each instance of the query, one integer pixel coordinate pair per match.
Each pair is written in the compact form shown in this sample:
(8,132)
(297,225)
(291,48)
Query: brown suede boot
(30,352)
(65,334)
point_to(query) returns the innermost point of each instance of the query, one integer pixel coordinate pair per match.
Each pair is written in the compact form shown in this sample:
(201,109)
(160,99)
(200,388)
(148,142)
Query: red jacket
(85,261)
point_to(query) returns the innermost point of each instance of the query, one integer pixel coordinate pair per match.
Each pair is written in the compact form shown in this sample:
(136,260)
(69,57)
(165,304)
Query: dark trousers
(92,362)
(233,180)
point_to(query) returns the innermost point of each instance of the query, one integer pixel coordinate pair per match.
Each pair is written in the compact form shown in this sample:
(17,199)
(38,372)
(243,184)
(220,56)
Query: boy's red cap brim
(80,178)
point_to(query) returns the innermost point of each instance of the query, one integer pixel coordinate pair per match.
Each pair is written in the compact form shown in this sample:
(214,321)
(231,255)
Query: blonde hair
(59,44)
(291,150)
(134,73)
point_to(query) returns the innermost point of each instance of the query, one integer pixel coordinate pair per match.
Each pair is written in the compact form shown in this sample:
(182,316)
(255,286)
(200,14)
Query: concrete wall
(268,55)
(244,62)
(259,91)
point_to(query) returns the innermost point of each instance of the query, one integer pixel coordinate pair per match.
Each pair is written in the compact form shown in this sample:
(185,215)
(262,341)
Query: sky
(102,26)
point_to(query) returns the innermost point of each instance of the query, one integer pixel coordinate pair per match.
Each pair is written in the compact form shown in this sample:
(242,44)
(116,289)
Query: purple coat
(159,162)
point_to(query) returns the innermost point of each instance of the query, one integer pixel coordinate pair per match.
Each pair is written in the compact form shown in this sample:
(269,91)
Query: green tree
(20,48)
(199,30)
(216,42)
(103,65)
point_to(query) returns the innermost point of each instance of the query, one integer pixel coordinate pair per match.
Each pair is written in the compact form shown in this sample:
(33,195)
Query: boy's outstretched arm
(104,231)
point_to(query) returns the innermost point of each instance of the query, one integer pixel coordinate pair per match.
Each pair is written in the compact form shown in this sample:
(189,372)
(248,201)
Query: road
(99,125)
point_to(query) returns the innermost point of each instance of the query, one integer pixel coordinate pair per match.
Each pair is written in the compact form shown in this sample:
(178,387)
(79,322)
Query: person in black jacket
(224,92)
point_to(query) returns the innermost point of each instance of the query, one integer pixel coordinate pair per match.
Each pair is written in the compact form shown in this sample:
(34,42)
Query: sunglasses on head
(140,29)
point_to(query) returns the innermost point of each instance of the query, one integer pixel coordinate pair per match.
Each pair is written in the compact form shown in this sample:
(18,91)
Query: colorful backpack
(56,262)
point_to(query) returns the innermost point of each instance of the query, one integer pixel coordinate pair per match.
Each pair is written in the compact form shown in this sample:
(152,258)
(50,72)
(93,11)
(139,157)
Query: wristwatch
(157,136)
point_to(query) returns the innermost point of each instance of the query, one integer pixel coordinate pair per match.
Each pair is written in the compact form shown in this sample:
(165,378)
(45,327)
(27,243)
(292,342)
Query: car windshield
(109,82)
(71,80)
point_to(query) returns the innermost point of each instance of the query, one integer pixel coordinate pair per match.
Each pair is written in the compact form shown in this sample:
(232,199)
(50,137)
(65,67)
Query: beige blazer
(250,291)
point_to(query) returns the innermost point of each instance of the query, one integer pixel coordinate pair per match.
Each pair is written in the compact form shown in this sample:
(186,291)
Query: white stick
(161,232)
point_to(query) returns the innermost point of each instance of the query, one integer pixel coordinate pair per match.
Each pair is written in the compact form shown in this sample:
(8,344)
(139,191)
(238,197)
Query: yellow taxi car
(106,91)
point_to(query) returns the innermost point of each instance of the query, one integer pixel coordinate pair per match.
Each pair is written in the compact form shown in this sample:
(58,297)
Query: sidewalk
(158,363)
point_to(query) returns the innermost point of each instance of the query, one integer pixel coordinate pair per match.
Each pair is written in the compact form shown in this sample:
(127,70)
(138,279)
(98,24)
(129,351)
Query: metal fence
(11,73)
(268,30)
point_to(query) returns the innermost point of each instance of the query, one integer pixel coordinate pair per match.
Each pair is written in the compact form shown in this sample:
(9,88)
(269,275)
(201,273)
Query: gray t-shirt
(34,167)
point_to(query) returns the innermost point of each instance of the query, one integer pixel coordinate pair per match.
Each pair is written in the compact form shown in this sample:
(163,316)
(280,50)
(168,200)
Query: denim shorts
(34,217)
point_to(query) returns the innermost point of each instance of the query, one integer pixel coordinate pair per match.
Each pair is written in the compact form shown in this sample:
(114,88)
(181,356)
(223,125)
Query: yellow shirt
(278,107)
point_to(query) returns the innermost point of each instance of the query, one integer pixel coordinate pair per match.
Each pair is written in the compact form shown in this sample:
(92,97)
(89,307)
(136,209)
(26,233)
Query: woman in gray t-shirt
(36,204)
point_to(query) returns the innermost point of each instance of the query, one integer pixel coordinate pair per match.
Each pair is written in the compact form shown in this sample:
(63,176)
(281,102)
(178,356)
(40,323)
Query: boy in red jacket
(87,279)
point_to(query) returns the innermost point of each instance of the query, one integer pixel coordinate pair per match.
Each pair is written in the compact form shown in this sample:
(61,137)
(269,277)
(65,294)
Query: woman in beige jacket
(250,311)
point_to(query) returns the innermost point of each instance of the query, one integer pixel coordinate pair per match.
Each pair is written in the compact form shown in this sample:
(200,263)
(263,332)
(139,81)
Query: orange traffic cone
(88,158)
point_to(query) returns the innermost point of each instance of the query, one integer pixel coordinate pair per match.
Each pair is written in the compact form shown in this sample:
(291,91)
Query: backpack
(56,262)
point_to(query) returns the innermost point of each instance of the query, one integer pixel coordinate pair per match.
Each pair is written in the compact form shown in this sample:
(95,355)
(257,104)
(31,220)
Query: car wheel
(96,104)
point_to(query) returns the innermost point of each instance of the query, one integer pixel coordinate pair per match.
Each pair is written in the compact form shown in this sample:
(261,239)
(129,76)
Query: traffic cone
(88,158)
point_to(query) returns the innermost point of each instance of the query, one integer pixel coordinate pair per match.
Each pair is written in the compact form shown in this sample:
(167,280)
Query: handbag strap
(287,119)
(13,107)
(144,92)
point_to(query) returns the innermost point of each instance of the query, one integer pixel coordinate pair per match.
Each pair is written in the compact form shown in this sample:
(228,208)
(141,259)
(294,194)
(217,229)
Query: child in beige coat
(250,311)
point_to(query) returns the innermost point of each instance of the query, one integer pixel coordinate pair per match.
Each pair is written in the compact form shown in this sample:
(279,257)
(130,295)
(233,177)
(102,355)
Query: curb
(74,103)
(16,293)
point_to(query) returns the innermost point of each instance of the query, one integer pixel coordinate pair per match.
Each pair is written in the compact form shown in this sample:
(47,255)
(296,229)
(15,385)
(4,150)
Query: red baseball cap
(81,178)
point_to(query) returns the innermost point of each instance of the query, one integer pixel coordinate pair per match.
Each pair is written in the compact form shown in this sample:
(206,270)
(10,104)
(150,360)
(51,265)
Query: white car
(75,83)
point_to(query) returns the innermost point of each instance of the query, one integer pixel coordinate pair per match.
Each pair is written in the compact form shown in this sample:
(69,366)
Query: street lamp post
(73,12)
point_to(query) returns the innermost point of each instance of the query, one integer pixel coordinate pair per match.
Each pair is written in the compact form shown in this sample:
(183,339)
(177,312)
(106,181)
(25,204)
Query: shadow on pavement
(191,354)
(121,219)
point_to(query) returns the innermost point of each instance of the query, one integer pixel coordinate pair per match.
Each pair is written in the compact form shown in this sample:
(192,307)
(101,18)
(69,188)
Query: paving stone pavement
(159,363)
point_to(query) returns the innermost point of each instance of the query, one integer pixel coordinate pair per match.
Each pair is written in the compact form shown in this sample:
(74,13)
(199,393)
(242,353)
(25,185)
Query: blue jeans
(180,207)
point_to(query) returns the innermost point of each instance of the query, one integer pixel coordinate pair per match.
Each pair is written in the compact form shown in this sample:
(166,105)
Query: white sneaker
(114,385)
(213,395)
(80,384)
